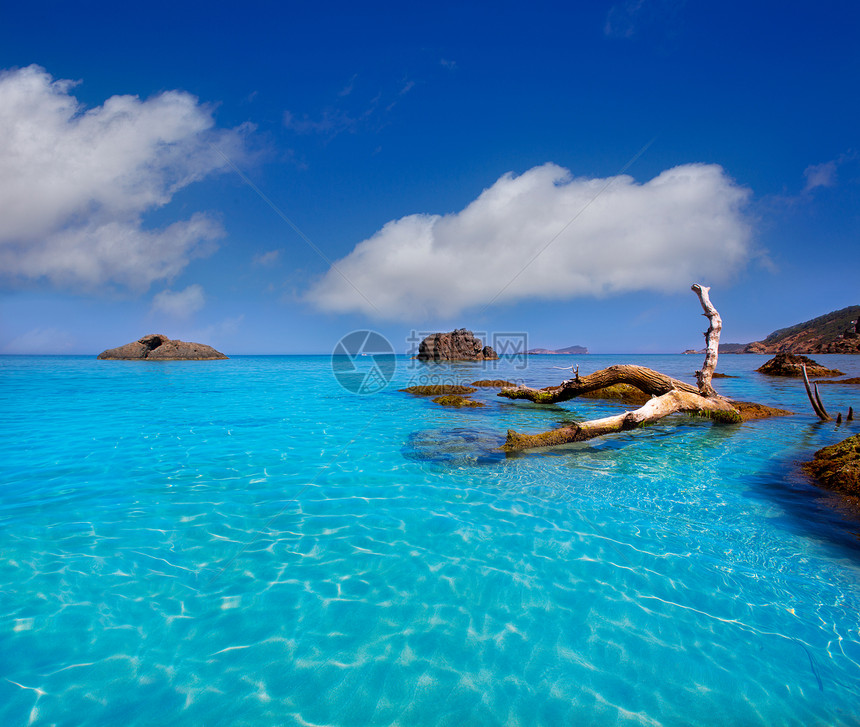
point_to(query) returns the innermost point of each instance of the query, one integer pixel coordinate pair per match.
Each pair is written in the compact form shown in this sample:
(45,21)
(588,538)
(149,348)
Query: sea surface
(245,542)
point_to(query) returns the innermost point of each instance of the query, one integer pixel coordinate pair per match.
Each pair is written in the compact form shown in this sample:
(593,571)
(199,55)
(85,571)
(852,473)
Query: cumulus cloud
(75,182)
(180,304)
(685,225)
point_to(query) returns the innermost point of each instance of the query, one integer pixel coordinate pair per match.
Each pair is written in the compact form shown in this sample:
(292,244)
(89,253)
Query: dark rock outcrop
(837,467)
(157,347)
(458,345)
(790,364)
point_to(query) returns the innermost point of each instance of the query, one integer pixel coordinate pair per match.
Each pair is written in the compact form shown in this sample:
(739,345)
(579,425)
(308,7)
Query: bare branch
(712,341)
(645,379)
(657,408)
(814,399)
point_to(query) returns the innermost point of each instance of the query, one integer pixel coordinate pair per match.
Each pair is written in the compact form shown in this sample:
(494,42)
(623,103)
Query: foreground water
(244,542)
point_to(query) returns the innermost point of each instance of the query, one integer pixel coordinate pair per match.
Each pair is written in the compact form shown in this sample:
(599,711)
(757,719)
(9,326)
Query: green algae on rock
(625,393)
(439,389)
(837,467)
(455,400)
(493,383)
(750,410)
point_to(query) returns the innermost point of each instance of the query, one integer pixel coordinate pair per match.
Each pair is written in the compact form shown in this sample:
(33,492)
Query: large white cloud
(683,226)
(75,182)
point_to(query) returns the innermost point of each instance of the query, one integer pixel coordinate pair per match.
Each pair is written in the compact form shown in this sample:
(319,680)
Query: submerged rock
(750,410)
(157,347)
(458,345)
(837,467)
(791,364)
(624,393)
(455,400)
(439,389)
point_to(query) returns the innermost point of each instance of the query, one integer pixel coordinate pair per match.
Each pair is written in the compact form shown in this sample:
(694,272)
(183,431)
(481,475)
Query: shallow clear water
(243,542)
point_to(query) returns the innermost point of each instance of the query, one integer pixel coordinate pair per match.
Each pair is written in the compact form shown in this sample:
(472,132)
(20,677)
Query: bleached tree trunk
(712,341)
(645,379)
(669,395)
(657,408)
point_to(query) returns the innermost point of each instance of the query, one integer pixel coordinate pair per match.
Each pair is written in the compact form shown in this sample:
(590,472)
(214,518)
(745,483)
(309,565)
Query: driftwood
(669,395)
(657,408)
(651,382)
(712,341)
(815,398)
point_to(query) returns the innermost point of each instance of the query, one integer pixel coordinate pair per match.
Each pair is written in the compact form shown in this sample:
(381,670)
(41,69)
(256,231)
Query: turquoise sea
(245,542)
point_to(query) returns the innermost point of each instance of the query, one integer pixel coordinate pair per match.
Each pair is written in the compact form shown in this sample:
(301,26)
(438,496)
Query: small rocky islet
(791,364)
(457,345)
(158,347)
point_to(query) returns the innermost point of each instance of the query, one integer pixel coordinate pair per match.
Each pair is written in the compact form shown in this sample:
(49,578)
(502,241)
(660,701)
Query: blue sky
(565,170)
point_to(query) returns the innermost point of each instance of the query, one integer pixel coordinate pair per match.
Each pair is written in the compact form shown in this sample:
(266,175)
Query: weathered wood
(815,399)
(647,380)
(669,395)
(657,408)
(712,341)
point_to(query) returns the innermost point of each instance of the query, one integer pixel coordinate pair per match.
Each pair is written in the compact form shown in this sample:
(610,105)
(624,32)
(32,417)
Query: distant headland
(834,332)
(568,350)
(157,347)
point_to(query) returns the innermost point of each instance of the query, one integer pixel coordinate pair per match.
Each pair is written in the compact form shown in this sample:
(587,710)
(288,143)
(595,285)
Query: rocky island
(157,347)
(458,345)
(790,364)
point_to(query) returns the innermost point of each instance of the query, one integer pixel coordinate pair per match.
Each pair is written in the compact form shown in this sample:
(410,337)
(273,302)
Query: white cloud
(180,304)
(266,259)
(683,226)
(820,175)
(75,182)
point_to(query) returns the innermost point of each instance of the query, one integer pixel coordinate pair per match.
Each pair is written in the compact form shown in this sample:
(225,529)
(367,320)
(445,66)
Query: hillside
(836,332)
(568,350)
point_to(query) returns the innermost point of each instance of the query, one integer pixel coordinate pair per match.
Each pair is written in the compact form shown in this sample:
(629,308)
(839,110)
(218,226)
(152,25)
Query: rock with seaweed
(456,401)
(665,396)
(158,347)
(458,345)
(439,389)
(837,467)
(791,364)
(493,383)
